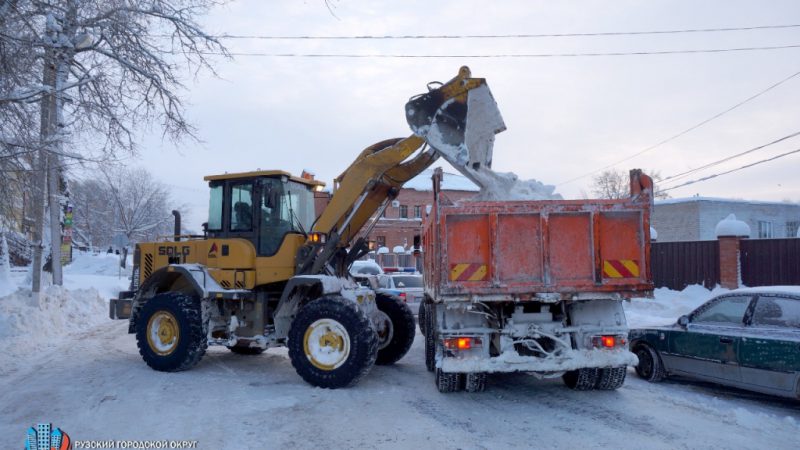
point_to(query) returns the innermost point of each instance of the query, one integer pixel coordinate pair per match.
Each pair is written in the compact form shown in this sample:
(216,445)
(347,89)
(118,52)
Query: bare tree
(128,202)
(615,184)
(79,69)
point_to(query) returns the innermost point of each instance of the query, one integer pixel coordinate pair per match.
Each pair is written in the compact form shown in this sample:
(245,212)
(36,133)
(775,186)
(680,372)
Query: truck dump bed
(549,249)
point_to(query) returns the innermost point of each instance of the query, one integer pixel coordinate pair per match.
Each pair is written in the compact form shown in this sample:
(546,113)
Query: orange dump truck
(533,286)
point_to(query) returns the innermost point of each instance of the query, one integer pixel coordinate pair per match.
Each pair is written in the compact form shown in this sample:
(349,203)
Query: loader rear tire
(581,379)
(402,332)
(331,343)
(170,333)
(447,382)
(611,378)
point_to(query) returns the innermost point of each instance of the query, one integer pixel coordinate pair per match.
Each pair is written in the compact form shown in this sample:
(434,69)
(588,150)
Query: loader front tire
(393,344)
(170,333)
(331,343)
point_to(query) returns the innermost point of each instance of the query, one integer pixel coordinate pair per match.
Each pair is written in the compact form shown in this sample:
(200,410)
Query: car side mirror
(683,321)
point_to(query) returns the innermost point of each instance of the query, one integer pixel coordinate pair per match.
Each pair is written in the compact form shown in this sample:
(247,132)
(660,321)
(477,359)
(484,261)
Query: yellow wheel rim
(163,333)
(326,344)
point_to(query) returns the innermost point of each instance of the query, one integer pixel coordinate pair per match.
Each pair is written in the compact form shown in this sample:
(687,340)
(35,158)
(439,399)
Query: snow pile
(28,324)
(667,305)
(731,226)
(507,186)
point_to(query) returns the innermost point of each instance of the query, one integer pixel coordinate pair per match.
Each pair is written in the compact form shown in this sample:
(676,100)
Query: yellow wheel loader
(267,272)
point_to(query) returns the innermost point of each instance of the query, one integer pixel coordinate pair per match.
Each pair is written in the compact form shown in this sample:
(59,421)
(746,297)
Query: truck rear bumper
(511,361)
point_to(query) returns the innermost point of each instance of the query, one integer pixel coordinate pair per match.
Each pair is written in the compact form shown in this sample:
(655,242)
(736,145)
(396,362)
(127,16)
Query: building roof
(450,182)
(674,201)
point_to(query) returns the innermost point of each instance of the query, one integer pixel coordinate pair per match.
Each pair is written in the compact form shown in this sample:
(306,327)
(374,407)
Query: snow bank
(667,305)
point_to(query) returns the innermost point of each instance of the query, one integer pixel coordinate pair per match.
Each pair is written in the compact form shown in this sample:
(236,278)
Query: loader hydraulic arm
(378,173)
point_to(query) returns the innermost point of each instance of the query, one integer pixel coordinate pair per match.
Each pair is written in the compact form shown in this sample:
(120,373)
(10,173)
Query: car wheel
(650,366)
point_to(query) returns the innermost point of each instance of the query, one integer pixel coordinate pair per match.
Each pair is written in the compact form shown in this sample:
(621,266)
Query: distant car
(367,267)
(748,338)
(407,286)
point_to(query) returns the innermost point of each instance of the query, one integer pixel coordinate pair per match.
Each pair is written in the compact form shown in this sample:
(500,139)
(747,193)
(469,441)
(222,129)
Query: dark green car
(747,338)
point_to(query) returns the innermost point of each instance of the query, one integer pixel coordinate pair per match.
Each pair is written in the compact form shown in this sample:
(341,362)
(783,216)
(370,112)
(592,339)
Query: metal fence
(770,261)
(676,265)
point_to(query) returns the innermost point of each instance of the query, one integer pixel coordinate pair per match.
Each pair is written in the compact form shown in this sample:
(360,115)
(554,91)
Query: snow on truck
(534,286)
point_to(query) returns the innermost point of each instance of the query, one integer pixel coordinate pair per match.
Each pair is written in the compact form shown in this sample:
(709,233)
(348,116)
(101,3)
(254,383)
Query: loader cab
(262,207)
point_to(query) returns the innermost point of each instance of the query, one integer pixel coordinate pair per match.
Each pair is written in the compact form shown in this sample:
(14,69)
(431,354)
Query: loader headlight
(317,238)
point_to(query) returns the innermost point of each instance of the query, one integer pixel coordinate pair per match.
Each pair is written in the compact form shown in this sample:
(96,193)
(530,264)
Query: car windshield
(407,281)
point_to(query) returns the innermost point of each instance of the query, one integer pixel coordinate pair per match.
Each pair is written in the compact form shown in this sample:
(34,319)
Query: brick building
(402,219)
(694,218)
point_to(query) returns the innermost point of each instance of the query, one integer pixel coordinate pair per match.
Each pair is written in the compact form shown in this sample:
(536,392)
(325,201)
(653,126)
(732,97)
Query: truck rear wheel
(611,378)
(581,380)
(331,343)
(430,338)
(396,338)
(421,317)
(449,382)
(475,382)
(169,332)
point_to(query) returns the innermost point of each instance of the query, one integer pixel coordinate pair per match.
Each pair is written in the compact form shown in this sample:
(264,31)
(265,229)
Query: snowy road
(95,386)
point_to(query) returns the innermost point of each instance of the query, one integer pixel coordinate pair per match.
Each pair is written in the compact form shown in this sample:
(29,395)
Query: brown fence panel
(676,265)
(770,261)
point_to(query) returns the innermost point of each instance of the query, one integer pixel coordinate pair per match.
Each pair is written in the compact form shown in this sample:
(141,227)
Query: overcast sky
(566,116)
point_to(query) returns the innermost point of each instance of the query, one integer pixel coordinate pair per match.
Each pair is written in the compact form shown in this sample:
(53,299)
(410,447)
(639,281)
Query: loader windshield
(286,207)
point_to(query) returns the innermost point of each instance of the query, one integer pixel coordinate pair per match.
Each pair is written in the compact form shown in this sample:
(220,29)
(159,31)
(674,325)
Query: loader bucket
(459,119)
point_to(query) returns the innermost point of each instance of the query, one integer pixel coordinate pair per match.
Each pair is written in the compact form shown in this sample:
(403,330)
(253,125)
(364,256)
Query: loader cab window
(241,212)
(215,208)
(286,207)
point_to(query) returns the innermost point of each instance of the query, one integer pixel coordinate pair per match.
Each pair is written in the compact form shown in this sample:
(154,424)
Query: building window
(404,211)
(418,211)
(791,228)
(764,229)
(381,240)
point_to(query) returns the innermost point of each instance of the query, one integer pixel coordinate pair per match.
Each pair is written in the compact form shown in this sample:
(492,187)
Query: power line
(507,36)
(718,162)
(504,55)
(732,170)
(688,130)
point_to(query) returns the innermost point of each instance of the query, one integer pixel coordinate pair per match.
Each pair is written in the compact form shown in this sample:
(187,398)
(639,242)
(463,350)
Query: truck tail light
(462,343)
(609,341)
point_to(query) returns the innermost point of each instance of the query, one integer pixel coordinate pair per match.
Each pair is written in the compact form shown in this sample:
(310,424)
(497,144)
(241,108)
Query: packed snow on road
(64,362)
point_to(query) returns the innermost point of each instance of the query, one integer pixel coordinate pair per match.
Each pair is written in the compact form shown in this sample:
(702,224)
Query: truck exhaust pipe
(177,230)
